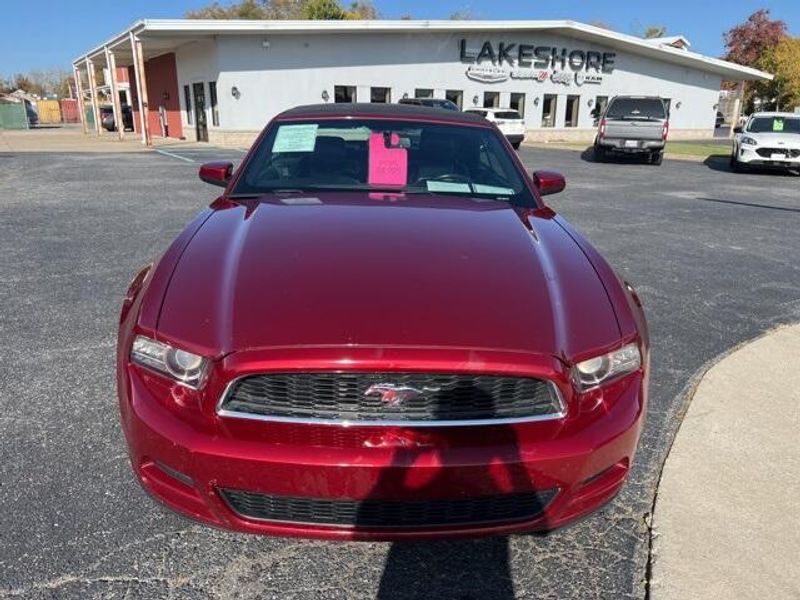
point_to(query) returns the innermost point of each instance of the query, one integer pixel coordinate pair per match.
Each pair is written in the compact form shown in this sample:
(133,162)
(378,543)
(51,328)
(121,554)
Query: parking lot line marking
(178,156)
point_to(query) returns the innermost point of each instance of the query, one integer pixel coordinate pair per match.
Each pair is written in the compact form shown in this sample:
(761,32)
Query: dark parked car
(633,125)
(380,331)
(107,118)
(431,102)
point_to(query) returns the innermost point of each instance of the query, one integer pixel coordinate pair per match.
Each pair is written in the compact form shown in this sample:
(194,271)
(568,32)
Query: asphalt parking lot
(713,255)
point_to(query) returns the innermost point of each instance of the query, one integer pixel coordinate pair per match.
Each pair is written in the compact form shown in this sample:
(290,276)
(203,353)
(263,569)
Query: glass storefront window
(380,95)
(344,93)
(518,103)
(212,93)
(187,97)
(600,104)
(571,114)
(491,99)
(423,93)
(456,97)
(549,110)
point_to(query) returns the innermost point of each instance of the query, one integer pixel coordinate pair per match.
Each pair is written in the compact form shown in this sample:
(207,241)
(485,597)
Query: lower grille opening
(786,152)
(376,514)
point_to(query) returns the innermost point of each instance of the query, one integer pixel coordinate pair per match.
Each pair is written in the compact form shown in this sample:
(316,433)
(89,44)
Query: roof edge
(246,26)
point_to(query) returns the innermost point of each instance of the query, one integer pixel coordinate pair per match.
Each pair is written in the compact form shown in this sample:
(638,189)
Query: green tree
(750,44)
(323,10)
(286,9)
(364,10)
(784,62)
(246,9)
(654,31)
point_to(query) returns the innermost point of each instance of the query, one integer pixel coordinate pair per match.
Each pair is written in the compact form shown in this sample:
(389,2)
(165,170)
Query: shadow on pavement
(750,204)
(495,488)
(615,157)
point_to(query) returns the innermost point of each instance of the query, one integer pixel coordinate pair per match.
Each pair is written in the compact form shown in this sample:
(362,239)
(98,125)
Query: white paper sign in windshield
(447,186)
(295,138)
(492,189)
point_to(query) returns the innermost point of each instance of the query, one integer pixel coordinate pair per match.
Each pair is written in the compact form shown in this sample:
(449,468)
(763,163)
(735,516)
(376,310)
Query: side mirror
(549,182)
(216,173)
(737,129)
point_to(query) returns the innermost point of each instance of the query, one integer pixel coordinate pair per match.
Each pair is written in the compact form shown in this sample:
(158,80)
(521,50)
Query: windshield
(378,155)
(774,125)
(507,114)
(636,108)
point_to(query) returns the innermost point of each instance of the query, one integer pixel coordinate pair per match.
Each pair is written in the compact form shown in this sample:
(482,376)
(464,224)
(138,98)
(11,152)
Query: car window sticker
(447,186)
(295,138)
(777,125)
(481,188)
(388,159)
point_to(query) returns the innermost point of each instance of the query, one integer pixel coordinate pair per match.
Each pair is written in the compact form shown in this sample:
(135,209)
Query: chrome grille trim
(224,412)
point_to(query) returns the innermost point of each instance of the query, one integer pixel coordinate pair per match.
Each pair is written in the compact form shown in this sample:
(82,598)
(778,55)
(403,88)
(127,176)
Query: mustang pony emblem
(394,395)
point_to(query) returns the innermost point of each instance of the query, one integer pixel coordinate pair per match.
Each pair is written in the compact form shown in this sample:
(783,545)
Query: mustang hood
(355,270)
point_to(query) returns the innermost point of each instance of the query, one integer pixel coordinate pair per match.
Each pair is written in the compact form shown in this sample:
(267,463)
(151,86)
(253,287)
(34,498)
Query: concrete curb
(667,155)
(725,522)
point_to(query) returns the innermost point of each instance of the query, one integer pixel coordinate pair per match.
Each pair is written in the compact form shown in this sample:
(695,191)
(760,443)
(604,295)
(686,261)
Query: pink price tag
(387,166)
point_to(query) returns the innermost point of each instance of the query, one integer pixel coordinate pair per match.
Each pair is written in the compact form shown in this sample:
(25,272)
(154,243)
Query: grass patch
(695,149)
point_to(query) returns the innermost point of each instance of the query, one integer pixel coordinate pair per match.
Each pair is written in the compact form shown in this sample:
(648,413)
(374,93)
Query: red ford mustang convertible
(380,331)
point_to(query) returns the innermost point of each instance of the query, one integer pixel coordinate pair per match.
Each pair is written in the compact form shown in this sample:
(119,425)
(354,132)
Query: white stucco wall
(275,72)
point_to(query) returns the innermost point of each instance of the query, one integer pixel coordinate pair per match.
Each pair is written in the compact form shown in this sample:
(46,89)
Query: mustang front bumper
(378,483)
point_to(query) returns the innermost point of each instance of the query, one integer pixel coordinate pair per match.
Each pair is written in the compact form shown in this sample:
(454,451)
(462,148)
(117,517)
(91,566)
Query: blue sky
(50,33)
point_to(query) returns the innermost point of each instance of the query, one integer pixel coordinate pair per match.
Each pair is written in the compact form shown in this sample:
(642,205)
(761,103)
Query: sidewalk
(727,516)
(70,138)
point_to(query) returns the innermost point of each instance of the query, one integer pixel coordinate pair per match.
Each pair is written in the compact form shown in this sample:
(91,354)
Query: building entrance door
(201,126)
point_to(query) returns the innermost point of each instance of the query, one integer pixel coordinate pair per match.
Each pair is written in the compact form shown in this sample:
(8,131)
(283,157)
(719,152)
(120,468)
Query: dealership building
(222,81)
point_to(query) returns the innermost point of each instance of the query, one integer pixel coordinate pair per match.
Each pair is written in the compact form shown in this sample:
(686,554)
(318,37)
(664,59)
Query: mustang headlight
(182,366)
(596,371)
(749,141)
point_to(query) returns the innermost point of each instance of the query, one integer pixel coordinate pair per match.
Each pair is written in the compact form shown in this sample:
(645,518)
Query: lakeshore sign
(495,64)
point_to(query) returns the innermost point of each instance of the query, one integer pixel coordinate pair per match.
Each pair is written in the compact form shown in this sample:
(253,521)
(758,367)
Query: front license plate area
(777,156)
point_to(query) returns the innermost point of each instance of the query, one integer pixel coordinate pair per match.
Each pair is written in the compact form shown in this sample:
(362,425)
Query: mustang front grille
(373,513)
(380,398)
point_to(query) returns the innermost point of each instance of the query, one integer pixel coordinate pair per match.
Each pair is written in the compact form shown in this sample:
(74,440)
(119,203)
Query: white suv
(508,121)
(769,139)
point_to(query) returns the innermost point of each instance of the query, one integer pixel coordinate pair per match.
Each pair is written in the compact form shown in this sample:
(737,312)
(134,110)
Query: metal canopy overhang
(167,35)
